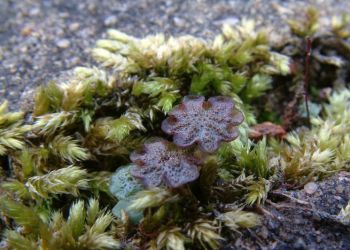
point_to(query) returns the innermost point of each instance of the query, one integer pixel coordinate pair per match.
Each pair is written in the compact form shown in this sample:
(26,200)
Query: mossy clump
(79,148)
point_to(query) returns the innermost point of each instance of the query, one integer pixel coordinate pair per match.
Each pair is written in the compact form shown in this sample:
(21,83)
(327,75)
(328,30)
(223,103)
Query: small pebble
(264,232)
(340,189)
(74,61)
(230,20)
(34,12)
(63,43)
(63,15)
(179,22)
(310,187)
(74,26)
(298,221)
(319,239)
(300,244)
(92,7)
(23,49)
(27,30)
(110,21)
(338,198)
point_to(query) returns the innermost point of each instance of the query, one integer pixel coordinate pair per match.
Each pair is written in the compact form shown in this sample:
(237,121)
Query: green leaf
(21,214)
(76,219)
(255,161)
(62,181)
(86,117)
(167,101)
(68,148)
(238,82)
(134,215)
(123,185)
(17,188)
(257,86)
(17,241)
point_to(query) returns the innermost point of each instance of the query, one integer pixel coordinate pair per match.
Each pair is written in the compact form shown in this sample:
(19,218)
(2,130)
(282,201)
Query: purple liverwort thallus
(206,123)
(161,162)
(194,121)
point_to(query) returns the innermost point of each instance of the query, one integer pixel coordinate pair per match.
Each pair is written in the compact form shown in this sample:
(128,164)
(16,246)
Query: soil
(303,219)
(40,39)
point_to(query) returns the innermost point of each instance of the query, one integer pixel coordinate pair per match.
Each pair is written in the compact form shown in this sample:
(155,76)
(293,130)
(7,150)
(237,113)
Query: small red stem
(306,76)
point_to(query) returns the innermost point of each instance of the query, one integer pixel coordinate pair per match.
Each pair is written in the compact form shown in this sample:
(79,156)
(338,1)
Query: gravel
(300,220)
(41,39)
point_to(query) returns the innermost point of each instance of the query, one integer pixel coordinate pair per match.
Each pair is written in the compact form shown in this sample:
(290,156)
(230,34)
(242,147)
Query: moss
(58,160)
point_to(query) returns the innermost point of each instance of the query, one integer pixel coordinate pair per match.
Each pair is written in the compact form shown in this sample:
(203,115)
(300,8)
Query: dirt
(302,219)
(41,39)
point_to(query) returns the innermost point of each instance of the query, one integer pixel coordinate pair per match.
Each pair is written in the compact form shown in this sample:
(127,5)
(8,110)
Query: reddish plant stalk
(307,76)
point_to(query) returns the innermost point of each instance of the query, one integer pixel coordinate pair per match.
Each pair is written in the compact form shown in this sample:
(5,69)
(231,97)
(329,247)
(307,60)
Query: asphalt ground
(40,40)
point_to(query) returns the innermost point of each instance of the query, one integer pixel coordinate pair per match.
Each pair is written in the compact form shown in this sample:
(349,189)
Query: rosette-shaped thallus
(206,123)
(161,162)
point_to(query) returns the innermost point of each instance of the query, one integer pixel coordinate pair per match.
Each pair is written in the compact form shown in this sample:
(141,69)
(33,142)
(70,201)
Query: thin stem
(306,76)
